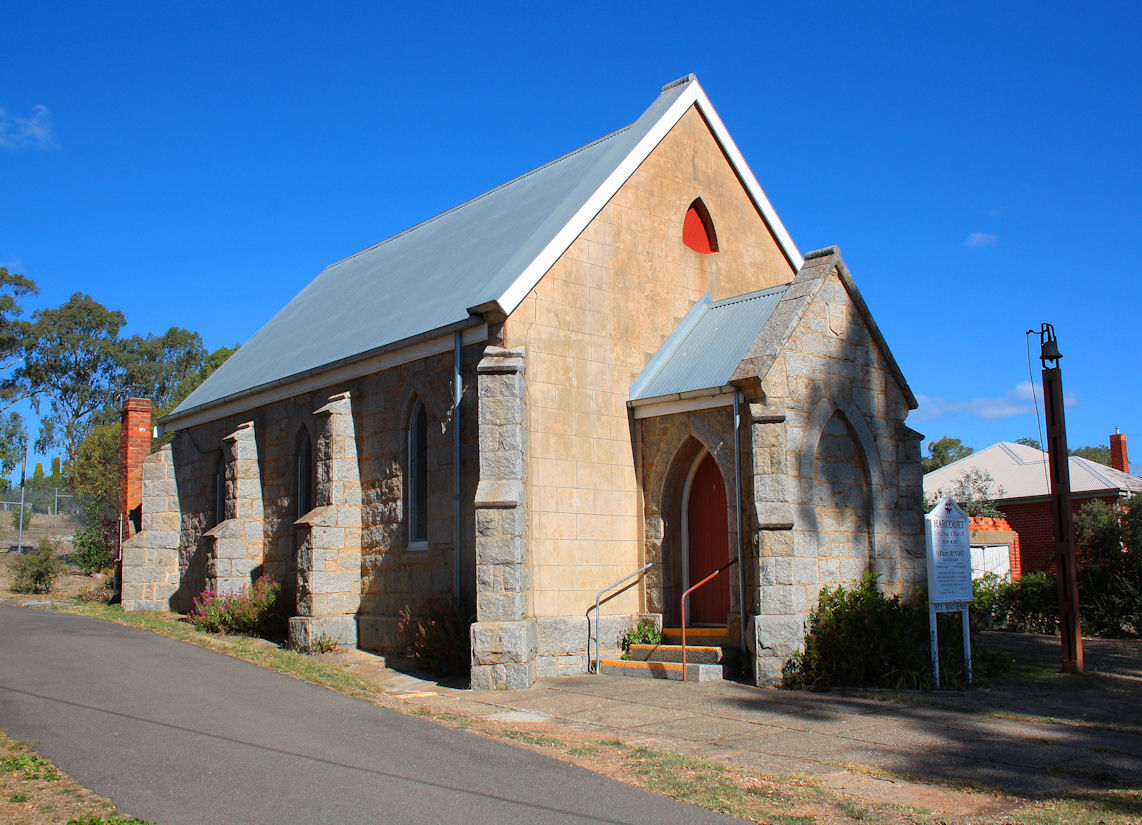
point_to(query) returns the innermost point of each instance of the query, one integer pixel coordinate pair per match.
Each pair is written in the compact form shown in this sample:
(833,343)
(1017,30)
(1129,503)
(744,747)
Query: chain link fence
(50,501)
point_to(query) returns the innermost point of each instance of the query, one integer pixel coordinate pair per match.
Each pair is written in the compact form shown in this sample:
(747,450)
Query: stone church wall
(837,484)
(260,447)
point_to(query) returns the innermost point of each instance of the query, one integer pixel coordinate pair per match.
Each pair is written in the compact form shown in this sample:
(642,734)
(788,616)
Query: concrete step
(698,654)
(712,636)
(661,670)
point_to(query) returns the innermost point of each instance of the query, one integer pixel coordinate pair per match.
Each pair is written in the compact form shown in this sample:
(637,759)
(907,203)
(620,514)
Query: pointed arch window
(418,477)
(220,488)
(698,229)
(305,472)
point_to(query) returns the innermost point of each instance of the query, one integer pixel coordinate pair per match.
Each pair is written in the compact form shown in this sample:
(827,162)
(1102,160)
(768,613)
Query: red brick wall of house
(134,446)
(1032,521)
(1014,555)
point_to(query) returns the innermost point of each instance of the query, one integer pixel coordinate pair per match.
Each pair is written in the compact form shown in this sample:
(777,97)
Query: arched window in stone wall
(698,229)
(220,488)
(416,485)
(304,472)
(842,505)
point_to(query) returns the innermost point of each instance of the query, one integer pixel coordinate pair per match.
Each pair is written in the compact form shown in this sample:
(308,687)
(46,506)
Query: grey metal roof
(709,343)
(1022,473)
(427,277)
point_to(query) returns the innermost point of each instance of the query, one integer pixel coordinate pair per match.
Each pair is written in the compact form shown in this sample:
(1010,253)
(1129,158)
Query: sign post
(947,534)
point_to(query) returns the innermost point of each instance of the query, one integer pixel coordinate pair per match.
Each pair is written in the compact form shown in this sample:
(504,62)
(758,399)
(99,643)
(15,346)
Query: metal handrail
(598,595)
(687,593)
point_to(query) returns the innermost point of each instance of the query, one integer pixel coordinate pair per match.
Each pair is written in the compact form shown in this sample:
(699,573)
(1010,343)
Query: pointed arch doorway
(706,542)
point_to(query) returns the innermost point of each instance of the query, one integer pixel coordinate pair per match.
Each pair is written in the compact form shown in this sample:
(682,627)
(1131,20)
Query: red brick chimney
(1118,459)
(134,446)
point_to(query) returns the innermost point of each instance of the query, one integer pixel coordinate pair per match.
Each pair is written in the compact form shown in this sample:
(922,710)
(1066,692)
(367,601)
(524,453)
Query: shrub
(435,635)
(98,590)
(36,572)
(1030,604)
(92,552)
(22,518)
(251,612)
(643,631)
(1109,576)
(860,638)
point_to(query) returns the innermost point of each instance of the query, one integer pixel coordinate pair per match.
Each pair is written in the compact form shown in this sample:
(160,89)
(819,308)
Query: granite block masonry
(329,535)
(504,637)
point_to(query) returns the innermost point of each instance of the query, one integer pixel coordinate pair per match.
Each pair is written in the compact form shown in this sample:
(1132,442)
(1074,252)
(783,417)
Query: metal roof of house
(707,346)
(437,276)
(1022,472)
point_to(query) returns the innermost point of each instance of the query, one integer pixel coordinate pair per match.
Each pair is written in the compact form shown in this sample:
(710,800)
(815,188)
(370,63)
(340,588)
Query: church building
(617,361)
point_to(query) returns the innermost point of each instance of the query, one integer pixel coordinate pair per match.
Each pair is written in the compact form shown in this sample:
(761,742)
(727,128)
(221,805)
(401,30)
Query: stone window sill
(417,546)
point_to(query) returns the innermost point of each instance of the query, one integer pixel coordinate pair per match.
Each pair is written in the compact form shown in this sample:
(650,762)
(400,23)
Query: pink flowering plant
(435,634)
(252,612)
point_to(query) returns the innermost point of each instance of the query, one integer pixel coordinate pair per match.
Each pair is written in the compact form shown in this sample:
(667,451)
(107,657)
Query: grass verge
(248,649)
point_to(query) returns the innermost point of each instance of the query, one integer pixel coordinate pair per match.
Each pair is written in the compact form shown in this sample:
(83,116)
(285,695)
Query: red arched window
(698,230)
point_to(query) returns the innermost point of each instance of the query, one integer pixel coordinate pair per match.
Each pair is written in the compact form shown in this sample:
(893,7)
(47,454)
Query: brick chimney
(134,446)
(1118,459)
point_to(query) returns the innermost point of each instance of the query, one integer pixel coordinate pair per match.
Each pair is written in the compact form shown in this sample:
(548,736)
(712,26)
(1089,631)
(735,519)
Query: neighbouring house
(619,358)
(1022,492)
(994,548)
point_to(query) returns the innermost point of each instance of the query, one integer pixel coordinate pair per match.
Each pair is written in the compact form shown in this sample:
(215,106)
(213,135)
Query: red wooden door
(708,537)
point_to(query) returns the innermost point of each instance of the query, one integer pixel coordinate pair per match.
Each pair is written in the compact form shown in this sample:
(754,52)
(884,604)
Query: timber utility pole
(1062,518)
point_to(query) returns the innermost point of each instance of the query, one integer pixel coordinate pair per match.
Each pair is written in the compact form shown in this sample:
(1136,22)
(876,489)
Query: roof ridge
(482,195)
(1094,468)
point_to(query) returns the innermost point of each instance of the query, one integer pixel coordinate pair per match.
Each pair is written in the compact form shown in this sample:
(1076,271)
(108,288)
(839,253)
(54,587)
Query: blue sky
(979,164)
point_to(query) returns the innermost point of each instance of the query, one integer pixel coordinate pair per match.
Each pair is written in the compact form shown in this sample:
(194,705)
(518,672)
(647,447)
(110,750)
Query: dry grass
(35,792)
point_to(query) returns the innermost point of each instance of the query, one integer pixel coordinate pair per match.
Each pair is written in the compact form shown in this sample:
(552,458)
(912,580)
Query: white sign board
(947,531)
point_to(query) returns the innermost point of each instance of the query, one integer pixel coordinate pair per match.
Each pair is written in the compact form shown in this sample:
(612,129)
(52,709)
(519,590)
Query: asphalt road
(175,734)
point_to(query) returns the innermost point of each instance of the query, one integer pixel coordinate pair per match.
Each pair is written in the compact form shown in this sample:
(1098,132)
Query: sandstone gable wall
(589,327)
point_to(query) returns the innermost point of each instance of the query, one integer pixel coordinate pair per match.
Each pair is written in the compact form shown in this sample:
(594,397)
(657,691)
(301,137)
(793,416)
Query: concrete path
(176,734)
(789,732)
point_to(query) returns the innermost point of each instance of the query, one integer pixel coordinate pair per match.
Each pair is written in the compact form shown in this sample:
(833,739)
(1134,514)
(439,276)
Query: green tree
(38,475)
(1029,442)
(164,368)
(943,452)
(56,478)
(157,366)
(1100,455)
(73,363)
(13,334)
(94,477)
(13,437)
(1109,573)
(975,491)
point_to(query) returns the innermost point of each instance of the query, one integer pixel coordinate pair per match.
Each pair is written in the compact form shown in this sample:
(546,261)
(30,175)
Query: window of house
(418,478)
(698,229)
(305,473)
(220,489)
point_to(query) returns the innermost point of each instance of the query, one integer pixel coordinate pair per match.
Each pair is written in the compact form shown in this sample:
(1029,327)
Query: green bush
(22,518)
(860,638)
(1030,604)
(1109,576)
(36,572)
(91,553)
(643,631)
(253,611)
(435,635)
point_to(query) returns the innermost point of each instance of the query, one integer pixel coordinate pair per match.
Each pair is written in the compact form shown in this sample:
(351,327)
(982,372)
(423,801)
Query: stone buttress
(235,544)
(329,535)
(504,637)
